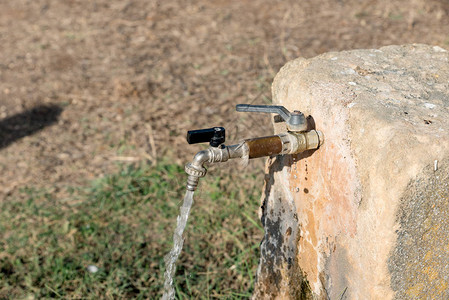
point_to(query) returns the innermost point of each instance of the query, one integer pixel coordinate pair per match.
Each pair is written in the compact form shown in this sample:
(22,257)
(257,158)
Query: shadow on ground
(27,123)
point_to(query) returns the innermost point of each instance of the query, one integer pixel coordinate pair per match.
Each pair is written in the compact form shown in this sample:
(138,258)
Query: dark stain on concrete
(419,263)
(278,262)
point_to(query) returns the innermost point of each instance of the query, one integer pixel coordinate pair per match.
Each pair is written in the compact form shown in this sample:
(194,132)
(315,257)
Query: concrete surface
(366,215)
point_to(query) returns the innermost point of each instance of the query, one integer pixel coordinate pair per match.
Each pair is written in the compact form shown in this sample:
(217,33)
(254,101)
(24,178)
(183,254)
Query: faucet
(295,140)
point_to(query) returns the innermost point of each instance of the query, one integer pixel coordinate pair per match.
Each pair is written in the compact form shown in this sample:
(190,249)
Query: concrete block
(366,216)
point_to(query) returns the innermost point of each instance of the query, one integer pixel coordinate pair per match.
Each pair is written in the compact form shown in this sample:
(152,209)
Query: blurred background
(95,100)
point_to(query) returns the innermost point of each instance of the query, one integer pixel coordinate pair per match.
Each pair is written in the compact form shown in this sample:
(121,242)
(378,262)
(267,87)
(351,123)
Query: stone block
(366,216)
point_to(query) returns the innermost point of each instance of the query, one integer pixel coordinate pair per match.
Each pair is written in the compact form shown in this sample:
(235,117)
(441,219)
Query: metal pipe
(264,146)
(284,143)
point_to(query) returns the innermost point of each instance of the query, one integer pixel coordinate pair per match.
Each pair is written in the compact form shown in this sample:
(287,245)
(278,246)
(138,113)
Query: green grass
(123,224)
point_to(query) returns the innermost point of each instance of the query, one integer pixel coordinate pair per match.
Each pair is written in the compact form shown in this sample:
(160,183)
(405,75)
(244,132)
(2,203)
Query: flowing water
(172,257)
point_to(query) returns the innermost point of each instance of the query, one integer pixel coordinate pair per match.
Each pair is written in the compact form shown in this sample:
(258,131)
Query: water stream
(171,258)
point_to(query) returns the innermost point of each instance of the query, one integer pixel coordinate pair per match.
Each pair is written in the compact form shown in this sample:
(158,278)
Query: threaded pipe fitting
(192,183)
(195,173)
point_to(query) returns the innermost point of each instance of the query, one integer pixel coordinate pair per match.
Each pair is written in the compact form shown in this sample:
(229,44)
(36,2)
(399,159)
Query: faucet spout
(196,168)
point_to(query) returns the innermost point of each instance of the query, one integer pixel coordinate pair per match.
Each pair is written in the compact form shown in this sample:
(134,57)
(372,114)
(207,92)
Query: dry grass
(118,67)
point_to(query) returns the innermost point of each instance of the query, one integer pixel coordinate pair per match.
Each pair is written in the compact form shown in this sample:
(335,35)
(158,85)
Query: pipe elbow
(200,158)
(196,169)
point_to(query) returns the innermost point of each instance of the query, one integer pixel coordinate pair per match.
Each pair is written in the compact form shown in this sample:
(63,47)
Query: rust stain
(264,146)
(325,206)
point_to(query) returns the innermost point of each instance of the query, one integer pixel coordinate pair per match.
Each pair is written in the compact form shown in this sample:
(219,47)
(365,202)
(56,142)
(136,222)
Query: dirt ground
(129,78)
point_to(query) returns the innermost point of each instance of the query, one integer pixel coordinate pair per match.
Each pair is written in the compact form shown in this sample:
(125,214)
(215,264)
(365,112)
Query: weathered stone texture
(366,215)
(419,264)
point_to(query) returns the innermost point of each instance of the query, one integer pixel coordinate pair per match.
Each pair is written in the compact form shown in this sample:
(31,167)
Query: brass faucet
(296,140)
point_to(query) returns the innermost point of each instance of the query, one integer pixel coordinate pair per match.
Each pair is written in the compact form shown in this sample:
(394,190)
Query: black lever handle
(215,136)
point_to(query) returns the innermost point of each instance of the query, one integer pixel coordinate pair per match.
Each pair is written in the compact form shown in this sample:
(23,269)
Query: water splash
(171,258)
